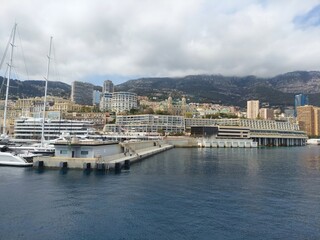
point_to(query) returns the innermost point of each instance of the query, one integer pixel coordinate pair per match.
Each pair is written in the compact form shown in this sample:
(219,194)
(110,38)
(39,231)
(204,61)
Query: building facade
(308,118)
(252,109)
(106,102)
(108,87)
(300,100)
(147,123)
(82,93)
(119,102)
(266,113)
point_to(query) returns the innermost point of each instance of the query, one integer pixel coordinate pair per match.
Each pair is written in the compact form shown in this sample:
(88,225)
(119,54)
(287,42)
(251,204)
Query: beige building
(253,109)
(308,118)
(266,113)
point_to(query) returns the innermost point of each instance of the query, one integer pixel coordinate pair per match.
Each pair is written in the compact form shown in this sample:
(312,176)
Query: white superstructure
(31,128)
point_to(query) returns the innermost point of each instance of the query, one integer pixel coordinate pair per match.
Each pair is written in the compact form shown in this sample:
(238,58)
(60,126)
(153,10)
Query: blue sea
(264,193)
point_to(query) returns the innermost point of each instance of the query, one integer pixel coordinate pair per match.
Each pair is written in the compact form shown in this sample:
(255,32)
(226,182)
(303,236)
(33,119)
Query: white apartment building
(118,102)
(106,102)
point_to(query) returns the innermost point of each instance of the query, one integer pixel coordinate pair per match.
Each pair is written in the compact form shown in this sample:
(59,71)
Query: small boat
(313,141)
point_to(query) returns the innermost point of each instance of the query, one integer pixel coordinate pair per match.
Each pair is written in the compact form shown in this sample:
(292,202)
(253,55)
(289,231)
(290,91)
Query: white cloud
(129,38)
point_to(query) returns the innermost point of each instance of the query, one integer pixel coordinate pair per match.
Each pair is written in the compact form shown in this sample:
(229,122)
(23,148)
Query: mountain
(276,91)
(228,90)
(34,88)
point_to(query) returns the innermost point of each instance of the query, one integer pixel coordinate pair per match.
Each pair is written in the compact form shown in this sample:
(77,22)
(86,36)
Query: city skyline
(99,40)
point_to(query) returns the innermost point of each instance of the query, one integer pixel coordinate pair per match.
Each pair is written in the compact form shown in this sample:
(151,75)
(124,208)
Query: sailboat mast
(45,94)
(8,82)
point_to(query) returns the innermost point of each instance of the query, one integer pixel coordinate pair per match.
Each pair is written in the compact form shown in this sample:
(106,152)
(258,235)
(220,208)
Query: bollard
(87,166)
(126,165)
(101,167)
(117,167)
(63,165)
(39,164)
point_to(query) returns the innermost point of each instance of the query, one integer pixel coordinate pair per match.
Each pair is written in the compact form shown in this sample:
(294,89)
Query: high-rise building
(309,119)
(96,97)
(253,109)
(108,86)
(300,100)
(82,93)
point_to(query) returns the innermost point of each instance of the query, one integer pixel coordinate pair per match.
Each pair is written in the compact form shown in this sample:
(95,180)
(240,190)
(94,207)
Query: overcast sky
(96,40)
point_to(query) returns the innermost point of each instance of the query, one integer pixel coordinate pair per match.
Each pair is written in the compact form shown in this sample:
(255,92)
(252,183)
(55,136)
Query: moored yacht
(8,158)
(36,148)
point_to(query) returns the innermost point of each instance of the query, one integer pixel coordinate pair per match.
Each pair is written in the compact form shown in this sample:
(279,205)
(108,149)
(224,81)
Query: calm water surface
(268,193)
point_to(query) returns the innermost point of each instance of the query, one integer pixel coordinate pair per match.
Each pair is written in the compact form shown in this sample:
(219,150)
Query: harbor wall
(184,142)
(132,152)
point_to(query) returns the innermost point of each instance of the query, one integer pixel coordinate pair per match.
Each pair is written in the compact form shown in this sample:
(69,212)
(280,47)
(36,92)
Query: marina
(183,193)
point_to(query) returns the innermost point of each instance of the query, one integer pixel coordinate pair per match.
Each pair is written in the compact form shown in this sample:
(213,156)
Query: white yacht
(8,158)
(36,148)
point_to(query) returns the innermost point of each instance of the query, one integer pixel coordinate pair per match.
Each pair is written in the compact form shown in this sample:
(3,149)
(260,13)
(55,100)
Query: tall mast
(8,82)
(45,94)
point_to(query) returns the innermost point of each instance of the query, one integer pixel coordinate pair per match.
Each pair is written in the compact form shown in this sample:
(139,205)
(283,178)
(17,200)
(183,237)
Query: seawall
(131,152)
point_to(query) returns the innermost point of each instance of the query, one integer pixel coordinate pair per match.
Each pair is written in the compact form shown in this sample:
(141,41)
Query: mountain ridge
(229,90)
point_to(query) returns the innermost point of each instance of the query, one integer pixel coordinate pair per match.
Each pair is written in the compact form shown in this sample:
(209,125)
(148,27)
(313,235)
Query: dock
(117,156)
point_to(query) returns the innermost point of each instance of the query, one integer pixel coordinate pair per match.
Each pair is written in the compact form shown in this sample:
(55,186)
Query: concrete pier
(131,152)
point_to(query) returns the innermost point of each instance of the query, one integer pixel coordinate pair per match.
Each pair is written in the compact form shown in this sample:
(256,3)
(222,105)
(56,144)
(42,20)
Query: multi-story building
(300,100)
(123,101)
(106,102)
(108,87)
(96,96)
(264,132)
(118,102)
(253,109)
(147,123)
(266,113)
(82,93)
(308,118)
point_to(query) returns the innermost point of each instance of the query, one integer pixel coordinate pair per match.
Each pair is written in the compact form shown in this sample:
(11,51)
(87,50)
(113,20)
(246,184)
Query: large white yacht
(27,129)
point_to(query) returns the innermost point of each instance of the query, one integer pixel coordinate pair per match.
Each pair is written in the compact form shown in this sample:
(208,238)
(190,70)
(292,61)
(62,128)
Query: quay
(100,155)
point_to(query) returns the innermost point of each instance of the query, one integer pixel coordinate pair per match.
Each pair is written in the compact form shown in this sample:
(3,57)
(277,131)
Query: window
(84,152)
(63,152)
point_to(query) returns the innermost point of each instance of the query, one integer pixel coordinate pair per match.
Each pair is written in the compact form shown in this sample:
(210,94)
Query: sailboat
(9,158)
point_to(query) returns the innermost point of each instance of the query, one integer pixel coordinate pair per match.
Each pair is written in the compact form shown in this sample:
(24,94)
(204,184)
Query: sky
(96,40)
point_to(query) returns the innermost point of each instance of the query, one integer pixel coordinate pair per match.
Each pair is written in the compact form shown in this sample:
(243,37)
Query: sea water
(261,193)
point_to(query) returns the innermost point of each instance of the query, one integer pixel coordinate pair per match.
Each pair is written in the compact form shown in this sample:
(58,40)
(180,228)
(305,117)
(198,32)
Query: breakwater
(116,157)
